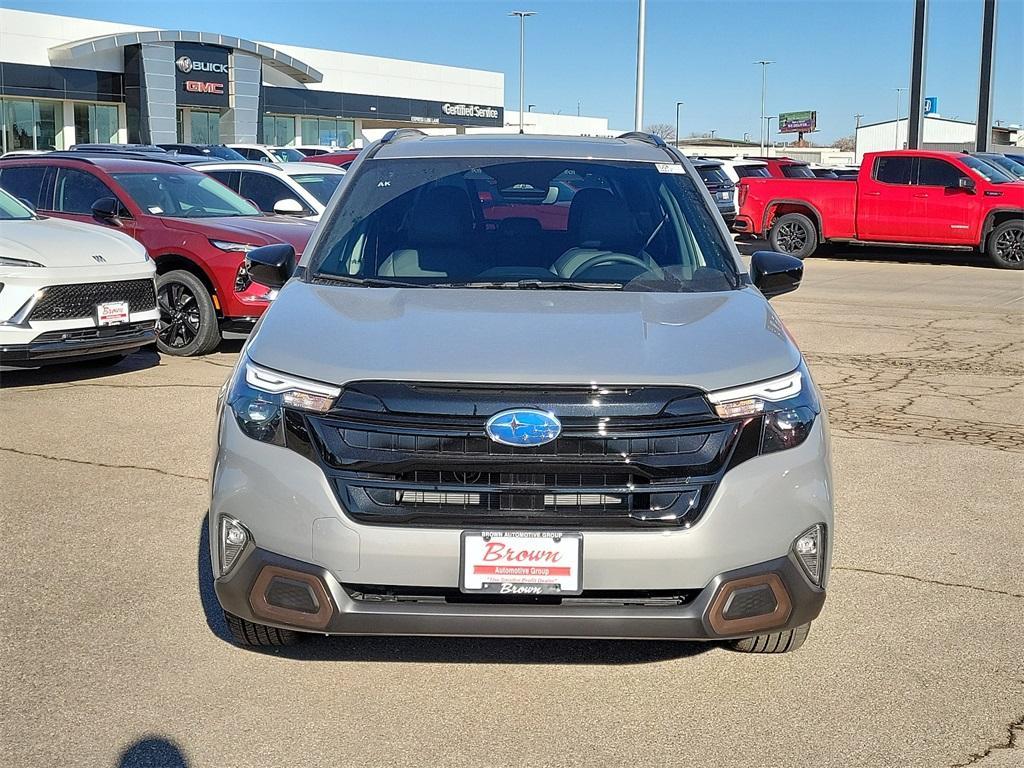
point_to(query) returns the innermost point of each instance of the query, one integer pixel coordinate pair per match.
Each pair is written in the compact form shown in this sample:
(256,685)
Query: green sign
(798,122)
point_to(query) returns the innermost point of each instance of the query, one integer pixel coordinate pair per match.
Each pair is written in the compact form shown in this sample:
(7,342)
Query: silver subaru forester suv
(522,386)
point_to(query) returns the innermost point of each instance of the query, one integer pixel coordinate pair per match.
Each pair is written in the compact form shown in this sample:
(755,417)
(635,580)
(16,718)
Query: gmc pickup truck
(902,198)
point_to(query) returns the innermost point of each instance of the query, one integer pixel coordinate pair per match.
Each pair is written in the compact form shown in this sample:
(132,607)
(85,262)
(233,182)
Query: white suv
(70,290)
(289,189)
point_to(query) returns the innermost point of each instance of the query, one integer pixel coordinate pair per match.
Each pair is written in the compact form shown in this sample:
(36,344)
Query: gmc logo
(195,86)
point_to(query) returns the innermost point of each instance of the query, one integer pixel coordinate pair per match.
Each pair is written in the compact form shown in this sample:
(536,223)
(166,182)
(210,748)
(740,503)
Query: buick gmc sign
(201,73)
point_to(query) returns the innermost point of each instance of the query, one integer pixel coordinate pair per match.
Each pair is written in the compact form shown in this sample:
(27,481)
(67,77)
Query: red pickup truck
(902,198)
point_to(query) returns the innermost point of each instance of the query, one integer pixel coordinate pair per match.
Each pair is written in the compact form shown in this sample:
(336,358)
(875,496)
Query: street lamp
(899,98)
(764,86)
(522,55)
(678,105)
(768,132)
(638,107)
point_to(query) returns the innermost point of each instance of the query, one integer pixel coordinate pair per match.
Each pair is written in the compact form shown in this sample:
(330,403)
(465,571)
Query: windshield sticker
(670,168)
(155,210)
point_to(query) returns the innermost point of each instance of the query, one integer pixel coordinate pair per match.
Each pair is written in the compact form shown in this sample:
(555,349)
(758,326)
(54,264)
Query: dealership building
(67,80)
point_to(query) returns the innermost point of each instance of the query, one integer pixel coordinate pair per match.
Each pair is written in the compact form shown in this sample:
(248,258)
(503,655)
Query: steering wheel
(194,210)
(600,259)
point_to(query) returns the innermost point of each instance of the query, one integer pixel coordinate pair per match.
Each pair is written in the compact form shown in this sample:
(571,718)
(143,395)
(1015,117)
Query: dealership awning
(292,67)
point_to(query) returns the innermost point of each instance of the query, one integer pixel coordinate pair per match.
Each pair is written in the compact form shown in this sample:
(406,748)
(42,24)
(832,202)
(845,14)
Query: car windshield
(525,224)
(1011,166)
(286,154)
(183,194)
(13,210)
(987,171)
(225,153)
(319,185)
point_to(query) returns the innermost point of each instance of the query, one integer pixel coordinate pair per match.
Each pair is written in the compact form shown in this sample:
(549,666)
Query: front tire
(794,234)
(188,321)
(774,642)
(253,635)
(1005,246)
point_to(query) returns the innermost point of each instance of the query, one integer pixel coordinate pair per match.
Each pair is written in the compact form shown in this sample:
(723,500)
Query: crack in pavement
(1012,731)
(987,590)
(102,464)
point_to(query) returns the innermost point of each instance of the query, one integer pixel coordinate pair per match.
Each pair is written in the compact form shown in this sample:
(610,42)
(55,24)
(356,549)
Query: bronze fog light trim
(260,606)
(776,618)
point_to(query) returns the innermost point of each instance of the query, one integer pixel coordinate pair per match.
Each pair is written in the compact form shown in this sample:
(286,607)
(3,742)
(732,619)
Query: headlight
(9,262)
(788,404)
(258,396)
(227,245)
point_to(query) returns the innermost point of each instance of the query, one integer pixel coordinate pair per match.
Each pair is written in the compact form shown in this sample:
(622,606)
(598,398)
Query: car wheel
(1006,245)
(795,234)
(188,320)
(774,642)
(248,633)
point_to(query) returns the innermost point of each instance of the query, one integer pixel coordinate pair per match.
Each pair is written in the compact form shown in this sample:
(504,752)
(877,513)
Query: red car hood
(253,230)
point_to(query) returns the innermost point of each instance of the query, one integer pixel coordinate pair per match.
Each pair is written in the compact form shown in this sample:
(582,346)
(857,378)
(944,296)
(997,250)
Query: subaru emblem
(524,427)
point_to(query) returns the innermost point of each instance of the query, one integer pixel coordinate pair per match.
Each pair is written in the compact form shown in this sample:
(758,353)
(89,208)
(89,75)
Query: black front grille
(68,302)
(95,334)
(647,598)
(418,454)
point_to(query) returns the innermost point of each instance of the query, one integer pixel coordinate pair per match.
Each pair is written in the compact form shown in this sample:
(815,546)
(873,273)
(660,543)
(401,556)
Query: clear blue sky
(836,56)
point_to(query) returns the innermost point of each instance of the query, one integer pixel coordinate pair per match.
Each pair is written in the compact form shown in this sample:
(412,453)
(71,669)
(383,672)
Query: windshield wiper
(532,284)
(369,282)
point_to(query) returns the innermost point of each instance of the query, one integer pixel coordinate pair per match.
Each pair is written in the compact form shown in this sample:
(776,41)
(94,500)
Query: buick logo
(524,427)
(184,63)
(187,65)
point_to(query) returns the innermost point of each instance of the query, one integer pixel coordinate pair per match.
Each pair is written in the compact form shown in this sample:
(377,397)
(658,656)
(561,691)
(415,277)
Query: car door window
(76,191)
(893,170)
(932,172)
(228,178)
(264,190)
(24,183)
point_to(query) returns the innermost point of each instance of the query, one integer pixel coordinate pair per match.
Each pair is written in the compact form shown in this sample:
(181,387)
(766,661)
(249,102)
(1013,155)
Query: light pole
(638,109)
(522,56)
(764,87)
(768,132)
(678,105)
(899,98)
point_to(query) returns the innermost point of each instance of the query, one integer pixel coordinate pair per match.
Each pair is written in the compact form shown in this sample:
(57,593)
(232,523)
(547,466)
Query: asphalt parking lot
(115,652)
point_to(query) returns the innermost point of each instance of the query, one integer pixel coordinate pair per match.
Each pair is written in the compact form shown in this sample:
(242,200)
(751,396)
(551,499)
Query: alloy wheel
(179,315)
(791,237)
(1010,246)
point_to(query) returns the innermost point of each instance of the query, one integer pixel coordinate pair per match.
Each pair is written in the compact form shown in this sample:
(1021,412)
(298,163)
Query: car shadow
(152,752)
(444,650)
(882,254)
(64,373)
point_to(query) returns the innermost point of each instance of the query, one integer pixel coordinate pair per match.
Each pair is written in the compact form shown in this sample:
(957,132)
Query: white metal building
(938,133)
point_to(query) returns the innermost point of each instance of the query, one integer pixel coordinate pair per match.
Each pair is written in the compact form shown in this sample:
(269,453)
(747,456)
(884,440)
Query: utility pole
(522,56)
(899,99)
(678,105)
(768,132)
(983,124)
(918,59)
(638,109)
(764,86)
(856,130)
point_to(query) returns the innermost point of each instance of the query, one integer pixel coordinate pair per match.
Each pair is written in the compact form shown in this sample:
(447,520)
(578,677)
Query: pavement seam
(102,464)
(1012,730)
(928,581)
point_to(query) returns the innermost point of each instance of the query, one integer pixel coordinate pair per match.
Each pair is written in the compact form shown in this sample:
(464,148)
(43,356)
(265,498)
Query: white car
(70,291)
(263,153)
(741,168)
(289,189)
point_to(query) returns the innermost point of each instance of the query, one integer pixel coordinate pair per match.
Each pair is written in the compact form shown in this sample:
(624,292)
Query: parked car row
(900,198)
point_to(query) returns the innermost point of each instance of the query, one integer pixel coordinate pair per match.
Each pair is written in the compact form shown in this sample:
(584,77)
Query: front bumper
(79,344)
(340,609)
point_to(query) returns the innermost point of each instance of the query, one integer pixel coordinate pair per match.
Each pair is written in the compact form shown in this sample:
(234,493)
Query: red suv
(195,229)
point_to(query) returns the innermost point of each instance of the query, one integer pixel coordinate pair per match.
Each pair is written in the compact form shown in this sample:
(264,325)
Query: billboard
(931,105)
(798,122)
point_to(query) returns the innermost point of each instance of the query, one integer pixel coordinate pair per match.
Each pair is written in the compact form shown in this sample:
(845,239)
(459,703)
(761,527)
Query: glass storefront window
(95,123)
(30,124)
(205,127)
(278,130)
(328,131)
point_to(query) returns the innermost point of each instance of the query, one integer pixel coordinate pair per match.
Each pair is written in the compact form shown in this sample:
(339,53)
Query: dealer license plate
(112,313)
(521,563)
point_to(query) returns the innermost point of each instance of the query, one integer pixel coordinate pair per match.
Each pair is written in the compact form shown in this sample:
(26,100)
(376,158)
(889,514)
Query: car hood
(254,230)
(61,243)
(341,334)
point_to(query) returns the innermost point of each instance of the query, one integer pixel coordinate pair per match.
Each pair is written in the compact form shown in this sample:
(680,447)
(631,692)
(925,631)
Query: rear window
(753,171)
(713,174)
(486,223)
(796,171)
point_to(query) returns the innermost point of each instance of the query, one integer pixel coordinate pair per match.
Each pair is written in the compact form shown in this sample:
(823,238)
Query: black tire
(1005,245)
(774,642)
(795,234)
(253,635)
(188,321)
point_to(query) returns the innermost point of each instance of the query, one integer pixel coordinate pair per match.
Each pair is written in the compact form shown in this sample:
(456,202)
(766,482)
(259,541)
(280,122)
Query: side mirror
(271,265)
(774,274)
(289,207)
(107,209)
(966,184)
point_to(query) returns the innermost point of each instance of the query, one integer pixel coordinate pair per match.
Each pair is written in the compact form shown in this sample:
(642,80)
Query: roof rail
(648,138)
(87,157)
(400,133)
